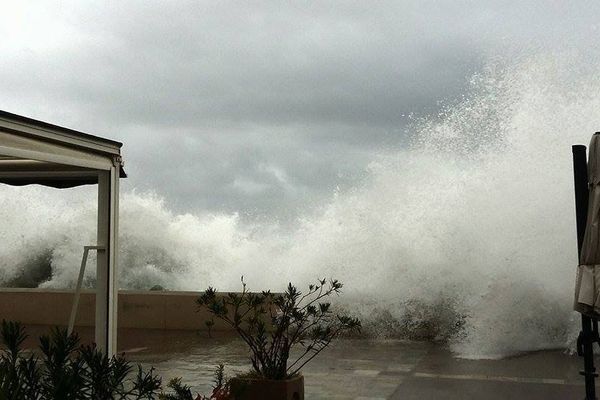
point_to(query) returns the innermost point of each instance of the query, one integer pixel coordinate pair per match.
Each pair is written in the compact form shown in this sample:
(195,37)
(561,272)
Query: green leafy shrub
(64,370)
(221,390)
(273,324)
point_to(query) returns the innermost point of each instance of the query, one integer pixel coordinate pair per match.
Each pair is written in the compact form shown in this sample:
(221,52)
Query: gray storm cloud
(260,107)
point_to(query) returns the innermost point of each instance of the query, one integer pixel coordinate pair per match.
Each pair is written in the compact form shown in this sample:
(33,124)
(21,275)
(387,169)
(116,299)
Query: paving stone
(366,372)
(377,370)
(370,398)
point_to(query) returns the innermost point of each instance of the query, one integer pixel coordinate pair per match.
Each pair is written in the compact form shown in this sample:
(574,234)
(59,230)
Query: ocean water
(466,235)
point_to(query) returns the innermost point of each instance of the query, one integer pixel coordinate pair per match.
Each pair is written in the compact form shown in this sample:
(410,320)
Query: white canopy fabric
(587,288)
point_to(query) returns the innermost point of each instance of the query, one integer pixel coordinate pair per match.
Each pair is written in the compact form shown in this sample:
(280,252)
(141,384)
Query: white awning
(32,149)
(35,152)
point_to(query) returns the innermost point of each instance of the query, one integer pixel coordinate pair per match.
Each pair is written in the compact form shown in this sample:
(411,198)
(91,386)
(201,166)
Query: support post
(585,341)
(106,273)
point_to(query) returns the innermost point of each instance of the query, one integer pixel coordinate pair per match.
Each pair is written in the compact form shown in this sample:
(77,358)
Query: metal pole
(585,342)
(77,291)
(86,250)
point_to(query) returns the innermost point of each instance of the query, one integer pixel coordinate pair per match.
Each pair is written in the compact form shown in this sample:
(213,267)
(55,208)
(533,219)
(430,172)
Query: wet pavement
(373,369)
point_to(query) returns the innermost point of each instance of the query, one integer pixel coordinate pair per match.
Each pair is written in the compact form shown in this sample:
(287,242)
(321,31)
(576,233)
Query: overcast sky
(258,107)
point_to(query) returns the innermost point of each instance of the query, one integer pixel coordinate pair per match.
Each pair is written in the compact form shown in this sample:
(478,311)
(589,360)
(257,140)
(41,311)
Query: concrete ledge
(163,310)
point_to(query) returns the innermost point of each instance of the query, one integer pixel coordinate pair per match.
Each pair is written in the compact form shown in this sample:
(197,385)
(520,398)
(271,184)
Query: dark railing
(589,326)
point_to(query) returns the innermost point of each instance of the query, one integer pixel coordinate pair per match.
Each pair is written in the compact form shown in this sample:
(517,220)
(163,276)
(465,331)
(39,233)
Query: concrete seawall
(162,310)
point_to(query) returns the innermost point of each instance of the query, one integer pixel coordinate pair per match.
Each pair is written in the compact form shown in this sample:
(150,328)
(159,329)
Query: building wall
(137,309)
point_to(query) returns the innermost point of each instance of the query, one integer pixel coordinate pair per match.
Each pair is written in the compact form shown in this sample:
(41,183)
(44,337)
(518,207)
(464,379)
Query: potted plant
(274,324)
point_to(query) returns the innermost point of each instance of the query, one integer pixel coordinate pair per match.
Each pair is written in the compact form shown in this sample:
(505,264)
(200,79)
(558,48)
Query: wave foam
(467,236)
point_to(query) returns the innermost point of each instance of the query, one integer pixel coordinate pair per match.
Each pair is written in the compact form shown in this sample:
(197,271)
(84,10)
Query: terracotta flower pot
(266,389)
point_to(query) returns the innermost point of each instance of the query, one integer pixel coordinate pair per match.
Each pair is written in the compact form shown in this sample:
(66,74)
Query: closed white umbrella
(587,288)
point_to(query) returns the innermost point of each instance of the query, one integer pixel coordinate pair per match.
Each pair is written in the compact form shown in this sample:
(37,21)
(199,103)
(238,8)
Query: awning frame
(36,152)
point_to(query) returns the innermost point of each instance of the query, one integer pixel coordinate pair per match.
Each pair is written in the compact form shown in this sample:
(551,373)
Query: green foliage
(221,386)
(10,361)
(272,324)
(67,371)
(179,391)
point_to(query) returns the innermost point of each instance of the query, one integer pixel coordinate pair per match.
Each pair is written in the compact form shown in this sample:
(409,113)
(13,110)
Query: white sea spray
(467,235)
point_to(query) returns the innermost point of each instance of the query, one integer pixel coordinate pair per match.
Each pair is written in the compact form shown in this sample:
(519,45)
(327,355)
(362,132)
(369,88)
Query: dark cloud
(263,107)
